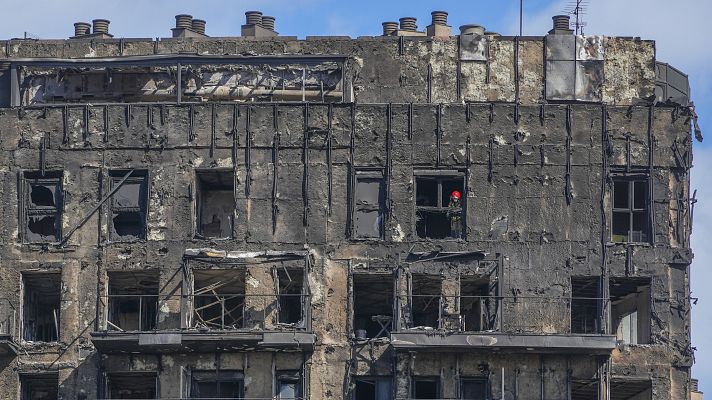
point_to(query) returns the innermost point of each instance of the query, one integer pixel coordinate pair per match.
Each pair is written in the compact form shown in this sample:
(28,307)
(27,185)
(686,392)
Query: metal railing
(507,314)
(204,312)
(8,316)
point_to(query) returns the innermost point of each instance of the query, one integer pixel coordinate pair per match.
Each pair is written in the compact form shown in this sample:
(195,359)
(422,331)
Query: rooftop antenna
(521,15)
(577,8)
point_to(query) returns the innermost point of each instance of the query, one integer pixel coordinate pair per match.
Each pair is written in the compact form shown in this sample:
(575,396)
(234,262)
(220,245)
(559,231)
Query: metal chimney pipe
(561,22)
(101,25)
(198,25)
(82,28)
(184,21)
(439,17)
(390,28)
(268,22)
(408,24)
(254,17)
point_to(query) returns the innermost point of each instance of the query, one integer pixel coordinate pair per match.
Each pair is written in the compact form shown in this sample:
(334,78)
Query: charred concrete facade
(267,217)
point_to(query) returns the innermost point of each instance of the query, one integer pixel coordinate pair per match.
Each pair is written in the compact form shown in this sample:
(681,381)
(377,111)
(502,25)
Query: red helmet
(455,194)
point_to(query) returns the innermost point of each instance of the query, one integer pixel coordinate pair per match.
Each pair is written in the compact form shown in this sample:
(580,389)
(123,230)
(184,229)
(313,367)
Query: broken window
(372,388)
(39,386)
(373,305)
(369,205)
(630,309)
(133,301)
(215,203)
(42,206)
(439,205)
(584,389)
(474,302)
(290,290)
(40,306)
(217,385)
(128,205)
(426,388)
(219,298)
(585,305)
(426,291)
(630,220)
(289,385)
(631,389)
(474,389)
(132,385)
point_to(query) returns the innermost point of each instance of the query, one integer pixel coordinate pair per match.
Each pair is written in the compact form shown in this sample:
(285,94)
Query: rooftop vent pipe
(198,25)
(390,28)
(268,22)
(184,21)
(81,29)
(439,17)
(254,17)
(561,24)
(408,24)
(101,26)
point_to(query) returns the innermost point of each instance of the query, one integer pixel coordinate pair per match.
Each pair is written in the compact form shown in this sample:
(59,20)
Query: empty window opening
(219,296)
(425,299)
(426,388)
(39,386)
(439,204)
(369,205)
(585,305)
(215,203)
(372,388)
(630,309)
(373,305)
(584,389)
(42,206)
(631,389)
(40,306)
(133,301)
(217,385)
(630,210)
(474,389)
(291,295)
(132,385)
(129,205)
(474,303)
(289,385)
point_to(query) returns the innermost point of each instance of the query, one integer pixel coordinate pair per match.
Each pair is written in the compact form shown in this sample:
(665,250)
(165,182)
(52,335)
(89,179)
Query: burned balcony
(8,315)
(440,204)
(218,299)
(372,305)
(215,203)
(425,301)
(41,305)
(132,301)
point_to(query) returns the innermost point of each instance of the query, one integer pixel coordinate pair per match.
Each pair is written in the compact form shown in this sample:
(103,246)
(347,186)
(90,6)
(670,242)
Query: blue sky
(679,27)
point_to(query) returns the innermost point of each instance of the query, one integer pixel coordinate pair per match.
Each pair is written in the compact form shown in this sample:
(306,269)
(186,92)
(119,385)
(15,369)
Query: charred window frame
(129,206)
(214,203)
(585,305)
(435,216)
(425,297)
(475,388)
(630,213)
(477,305)
(42,200)
(584,389)
(425,388)
(372,388)
(132,300)
(288,385)
(631,309)
(41,305)
(39,386)
(291,296)
(218,298)
(627,388)
(223,384)
(373,305)
(369,204)
(131,385)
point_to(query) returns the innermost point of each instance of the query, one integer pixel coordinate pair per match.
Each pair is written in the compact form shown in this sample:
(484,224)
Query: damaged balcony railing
(8,315)
(507,314)
(204,312)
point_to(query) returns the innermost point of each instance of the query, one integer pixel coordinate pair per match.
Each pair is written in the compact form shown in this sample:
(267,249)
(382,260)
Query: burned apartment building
(418,215)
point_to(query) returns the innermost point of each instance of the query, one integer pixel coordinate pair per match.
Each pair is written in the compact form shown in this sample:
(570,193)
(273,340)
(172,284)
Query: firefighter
(454,214)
